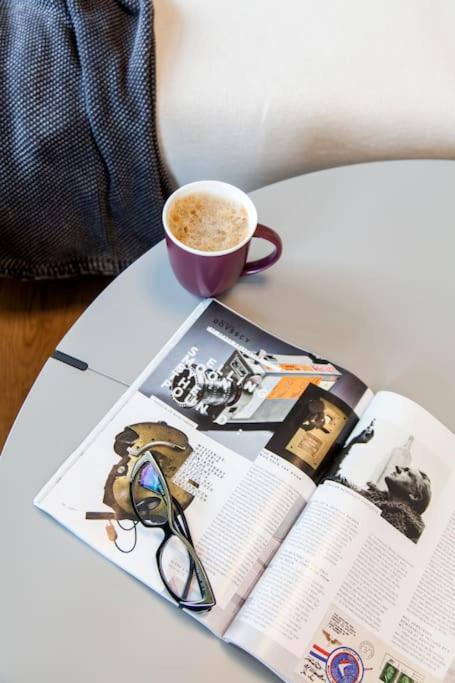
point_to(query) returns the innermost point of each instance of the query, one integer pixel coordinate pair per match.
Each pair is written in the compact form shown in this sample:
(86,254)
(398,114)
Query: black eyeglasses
(179,566)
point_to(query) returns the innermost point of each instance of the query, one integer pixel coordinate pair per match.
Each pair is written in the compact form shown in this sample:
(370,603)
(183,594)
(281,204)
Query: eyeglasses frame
(173,527)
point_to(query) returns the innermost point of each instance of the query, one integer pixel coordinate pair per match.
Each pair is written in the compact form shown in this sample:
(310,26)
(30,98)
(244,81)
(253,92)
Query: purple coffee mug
(208,273)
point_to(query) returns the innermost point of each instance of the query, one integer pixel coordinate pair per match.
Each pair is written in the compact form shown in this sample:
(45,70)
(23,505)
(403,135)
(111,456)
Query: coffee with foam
(208,222)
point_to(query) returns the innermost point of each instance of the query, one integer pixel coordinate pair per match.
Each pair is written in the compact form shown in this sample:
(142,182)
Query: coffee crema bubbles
(208,222)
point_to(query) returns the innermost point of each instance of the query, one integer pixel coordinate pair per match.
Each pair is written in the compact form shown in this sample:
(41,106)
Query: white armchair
(253,91)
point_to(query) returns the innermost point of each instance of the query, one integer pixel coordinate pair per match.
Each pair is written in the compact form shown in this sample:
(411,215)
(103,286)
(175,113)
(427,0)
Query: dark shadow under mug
(209,273)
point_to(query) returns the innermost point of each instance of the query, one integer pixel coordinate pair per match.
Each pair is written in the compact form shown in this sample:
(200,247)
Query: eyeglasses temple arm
(201,576)
(153,444)
(185,530)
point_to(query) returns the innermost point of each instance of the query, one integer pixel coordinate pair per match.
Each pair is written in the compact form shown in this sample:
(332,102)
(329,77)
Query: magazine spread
(365,575)
(321,513)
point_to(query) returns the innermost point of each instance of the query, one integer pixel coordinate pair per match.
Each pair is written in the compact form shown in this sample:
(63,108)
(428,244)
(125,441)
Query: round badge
(366,649)
(344,665)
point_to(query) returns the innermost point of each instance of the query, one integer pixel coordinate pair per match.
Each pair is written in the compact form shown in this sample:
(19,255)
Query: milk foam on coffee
(208,222)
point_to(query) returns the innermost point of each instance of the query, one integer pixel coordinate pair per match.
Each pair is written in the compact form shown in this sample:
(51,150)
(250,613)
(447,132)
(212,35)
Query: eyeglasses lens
(148,495)
(150,479)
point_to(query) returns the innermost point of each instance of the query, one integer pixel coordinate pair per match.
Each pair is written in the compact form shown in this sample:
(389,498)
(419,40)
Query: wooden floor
(33,318)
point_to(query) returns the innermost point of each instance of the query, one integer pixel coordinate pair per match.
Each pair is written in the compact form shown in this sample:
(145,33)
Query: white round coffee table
(366,279)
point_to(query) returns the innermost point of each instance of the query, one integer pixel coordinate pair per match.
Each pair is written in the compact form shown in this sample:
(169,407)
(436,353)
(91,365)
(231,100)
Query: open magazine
(323,514)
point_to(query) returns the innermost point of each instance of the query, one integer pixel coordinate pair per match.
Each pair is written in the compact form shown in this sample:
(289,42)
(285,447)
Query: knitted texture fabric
(81,182)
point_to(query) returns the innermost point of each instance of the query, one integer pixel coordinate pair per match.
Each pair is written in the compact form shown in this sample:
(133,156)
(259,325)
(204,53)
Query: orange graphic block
(292,387)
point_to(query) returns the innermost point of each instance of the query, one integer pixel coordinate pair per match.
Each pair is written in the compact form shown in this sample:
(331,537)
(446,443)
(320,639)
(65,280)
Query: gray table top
(366,280)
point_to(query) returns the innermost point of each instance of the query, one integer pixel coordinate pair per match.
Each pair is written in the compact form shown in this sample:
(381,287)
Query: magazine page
(231,410)
(364,584)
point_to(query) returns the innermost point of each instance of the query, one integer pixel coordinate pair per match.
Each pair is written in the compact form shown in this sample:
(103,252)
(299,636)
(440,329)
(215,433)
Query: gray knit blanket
(81,182)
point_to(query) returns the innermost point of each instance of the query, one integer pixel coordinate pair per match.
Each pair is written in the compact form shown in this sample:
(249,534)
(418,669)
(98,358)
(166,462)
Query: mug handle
(265,233)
